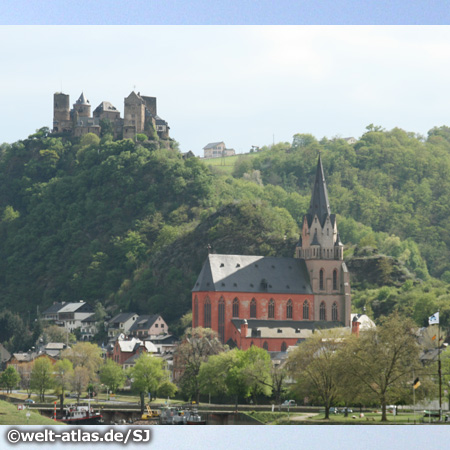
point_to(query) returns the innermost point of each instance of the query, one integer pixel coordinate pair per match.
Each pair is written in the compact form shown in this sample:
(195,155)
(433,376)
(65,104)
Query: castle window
(195,312)
(253,309)
(321,280)
(207,314)
(334,279)
(235,307)
(323,312)
(271,312)
(289,309)
(305,310)
(222,320)
(334,312)
(283,346)
(266,346)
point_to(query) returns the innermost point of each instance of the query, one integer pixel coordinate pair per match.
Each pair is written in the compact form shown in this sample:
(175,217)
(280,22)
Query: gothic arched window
(253,309)
(207,316)
(222,320)
(334,312)
(266,346)
(271,312)
(321,279)
(305,310)
(289,309)
(334,279)
(322,312)
(283,346)
(236,307)
(195,312)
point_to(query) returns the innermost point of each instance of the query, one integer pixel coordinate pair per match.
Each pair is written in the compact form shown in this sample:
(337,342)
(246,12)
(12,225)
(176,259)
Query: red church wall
(262,306)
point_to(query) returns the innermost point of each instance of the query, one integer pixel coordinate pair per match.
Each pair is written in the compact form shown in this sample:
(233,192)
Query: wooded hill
(129,224)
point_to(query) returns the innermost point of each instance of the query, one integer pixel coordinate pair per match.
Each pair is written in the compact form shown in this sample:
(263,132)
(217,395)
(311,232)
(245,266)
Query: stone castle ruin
(140,117)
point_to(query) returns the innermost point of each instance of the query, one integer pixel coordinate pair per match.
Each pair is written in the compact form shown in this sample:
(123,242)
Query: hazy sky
(201,12)
(244,85)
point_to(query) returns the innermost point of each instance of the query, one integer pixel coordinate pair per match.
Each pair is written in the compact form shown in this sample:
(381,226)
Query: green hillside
(128,225)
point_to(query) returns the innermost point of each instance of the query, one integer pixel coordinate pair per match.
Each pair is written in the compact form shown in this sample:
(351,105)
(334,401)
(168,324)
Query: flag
(433,338)
(416,383)
(434,319)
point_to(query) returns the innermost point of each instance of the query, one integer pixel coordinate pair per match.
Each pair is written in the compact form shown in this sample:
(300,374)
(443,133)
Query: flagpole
(439,372)
(414,398)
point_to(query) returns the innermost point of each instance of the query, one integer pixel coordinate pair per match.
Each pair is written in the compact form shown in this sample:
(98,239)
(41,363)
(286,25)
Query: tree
(86,355)
(197,345)
(10,378)
(257,368)
(383,359)
(237,373)
(316,367)
(167,389)
(41,376)
(146,375)
(79,380)
(54,333)
(112,375)
(62,375)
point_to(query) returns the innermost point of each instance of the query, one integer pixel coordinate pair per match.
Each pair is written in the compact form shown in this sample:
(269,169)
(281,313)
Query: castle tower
(81,107)
(134,116)
(323,251)
(61,111)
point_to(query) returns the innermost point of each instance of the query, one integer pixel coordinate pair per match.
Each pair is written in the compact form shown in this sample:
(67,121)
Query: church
(274,303)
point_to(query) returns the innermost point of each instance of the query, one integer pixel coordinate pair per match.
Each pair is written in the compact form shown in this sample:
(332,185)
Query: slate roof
(243,273)
(212,145)
(54,308)
(82,100)
(105,106)
(144,322)
(300,329)
(72,307)
(120,318)
(319,204)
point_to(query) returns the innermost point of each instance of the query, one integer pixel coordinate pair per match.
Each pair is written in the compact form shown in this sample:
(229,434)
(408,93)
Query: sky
(241,84)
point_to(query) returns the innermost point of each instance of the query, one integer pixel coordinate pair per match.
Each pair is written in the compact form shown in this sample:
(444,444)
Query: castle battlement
(140,117)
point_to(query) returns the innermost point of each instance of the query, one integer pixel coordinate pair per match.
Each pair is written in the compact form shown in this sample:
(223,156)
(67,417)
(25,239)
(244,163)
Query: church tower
(320,246)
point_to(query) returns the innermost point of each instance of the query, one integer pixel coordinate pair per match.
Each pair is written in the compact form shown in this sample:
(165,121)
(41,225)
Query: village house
(121,323)
(275,303)
(145,326)
(124,349)
(4,356)
(69,315)
(217,150)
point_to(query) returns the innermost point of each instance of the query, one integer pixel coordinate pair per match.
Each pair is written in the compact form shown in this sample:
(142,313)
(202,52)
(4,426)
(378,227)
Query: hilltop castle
(140,117)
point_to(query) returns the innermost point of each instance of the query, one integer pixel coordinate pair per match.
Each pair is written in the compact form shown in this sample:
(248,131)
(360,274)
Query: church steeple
(319,205)
(320,238)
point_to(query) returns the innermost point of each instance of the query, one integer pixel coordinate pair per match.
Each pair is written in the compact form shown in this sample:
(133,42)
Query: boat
(194,418)
(81,415)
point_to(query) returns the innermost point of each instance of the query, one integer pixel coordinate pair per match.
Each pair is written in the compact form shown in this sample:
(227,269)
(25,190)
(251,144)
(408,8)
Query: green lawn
(10,415)
(225,166)
(354,418)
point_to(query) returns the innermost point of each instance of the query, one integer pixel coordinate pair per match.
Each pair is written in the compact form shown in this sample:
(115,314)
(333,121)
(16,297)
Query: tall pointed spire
(319,204)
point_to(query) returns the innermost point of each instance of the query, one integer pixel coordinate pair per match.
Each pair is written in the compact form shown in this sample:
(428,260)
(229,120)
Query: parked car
(344,410)
(29,401)
(289,403)
(333,410)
